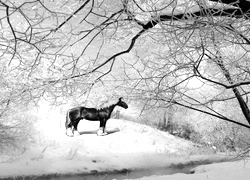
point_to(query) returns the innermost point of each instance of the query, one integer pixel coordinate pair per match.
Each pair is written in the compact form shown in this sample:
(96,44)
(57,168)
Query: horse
(76,114)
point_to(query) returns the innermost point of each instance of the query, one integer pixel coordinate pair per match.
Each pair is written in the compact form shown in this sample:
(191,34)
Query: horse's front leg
(102,130)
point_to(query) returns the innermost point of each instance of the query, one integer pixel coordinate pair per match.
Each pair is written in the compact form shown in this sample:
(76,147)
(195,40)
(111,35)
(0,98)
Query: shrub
(16,130)
(227,136)
(183,130)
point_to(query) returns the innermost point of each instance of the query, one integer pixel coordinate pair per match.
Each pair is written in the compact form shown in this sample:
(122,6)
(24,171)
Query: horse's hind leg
(69,130)
(75,124)
(68,126)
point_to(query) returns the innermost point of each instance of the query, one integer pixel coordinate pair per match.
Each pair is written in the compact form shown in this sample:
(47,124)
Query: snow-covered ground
(129,146)
(239,170)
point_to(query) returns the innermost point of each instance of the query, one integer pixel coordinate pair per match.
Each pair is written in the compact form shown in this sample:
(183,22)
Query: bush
(182,129)
(16,130)
(227,136)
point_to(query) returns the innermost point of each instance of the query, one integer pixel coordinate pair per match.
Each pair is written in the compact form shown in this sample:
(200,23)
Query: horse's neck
(111,108)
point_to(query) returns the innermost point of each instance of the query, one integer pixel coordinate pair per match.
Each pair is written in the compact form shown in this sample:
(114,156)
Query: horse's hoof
(69,133)
(101,133)
(76,133)
(104,134)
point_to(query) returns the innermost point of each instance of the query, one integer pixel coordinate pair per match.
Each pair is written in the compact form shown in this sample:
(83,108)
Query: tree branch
(12,30)
(72,15)
(239,12)
(114,56)
(211,114)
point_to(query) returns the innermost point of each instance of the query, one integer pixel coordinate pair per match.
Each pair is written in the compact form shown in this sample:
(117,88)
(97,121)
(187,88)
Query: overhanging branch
(114,56)
(211,114)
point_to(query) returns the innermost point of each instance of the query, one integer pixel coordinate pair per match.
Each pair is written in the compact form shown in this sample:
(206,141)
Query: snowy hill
(128,146)
(126,137)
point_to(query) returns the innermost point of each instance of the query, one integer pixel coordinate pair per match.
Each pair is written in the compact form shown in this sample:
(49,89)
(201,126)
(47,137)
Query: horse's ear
(120,98)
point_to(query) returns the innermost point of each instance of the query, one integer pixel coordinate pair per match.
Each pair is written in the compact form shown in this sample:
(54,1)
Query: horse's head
(122,103)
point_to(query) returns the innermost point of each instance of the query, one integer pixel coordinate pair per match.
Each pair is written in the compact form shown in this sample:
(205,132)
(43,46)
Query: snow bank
(218,171)
(128,145)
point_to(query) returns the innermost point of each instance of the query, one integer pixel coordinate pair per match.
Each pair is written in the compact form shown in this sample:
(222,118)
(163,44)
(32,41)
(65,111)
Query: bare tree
(58,48)
(196,37)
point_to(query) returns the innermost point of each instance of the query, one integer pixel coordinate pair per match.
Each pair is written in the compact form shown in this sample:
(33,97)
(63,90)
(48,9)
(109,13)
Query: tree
(58,48)
(208,30)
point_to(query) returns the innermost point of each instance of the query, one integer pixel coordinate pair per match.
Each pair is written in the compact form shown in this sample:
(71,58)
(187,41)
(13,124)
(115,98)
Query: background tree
(196,37)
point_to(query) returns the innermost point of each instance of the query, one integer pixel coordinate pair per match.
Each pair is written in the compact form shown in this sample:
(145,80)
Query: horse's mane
(105,108)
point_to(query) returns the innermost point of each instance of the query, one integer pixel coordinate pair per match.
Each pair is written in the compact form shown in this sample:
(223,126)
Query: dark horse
(76,114)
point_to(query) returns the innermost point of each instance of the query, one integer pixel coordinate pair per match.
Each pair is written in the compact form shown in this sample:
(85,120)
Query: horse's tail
(67,122)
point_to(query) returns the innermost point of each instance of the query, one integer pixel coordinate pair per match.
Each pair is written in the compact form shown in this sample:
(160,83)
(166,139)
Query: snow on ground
(128,145)
(239,170)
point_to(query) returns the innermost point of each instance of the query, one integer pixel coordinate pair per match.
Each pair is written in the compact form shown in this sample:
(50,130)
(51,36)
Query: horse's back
(83,113)
(90,114)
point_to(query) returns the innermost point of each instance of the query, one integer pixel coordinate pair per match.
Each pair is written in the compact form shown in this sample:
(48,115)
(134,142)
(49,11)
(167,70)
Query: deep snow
(128,146)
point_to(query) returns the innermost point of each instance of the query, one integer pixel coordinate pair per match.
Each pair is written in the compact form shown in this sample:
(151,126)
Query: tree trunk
(241,101)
